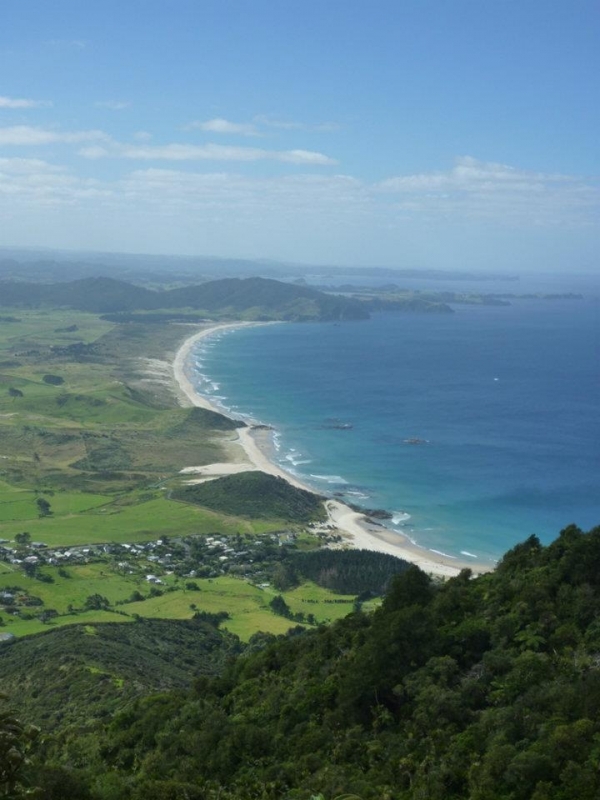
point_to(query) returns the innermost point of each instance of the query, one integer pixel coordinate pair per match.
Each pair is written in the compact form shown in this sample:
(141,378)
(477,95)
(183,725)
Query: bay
(475,430)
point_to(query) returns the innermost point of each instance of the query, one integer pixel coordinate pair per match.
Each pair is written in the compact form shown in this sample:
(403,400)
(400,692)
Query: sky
(402,133)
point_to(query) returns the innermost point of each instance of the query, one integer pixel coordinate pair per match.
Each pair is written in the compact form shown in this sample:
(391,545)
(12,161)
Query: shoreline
(355,527)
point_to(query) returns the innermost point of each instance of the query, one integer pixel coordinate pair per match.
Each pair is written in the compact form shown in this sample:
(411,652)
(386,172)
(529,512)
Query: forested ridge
(480,688)
(251,298)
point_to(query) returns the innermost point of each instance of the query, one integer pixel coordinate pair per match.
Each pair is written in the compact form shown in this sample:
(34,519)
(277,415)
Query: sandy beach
(355,527)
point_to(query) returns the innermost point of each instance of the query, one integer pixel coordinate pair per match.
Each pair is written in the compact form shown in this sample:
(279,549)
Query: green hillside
(249,298)
(476,689)
(255,495)
(80,675)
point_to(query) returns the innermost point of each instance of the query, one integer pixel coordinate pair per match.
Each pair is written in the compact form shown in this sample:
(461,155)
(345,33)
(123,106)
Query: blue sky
(431,133)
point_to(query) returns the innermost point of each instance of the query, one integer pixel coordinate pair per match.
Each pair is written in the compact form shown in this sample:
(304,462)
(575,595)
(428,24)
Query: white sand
(353,526)
(210,472)
(181,358)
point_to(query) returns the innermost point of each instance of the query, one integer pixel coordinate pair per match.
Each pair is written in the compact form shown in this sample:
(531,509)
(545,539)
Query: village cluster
(191,556)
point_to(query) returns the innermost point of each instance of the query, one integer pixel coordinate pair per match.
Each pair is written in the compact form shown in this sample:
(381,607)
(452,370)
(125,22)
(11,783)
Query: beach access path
(356,529)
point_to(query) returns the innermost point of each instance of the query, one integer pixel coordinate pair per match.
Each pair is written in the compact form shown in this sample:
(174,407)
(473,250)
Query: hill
(477,689)
(255,495)
(82,674)
(252,298)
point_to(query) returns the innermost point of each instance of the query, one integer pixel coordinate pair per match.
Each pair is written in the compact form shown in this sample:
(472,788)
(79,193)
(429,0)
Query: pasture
(90,423)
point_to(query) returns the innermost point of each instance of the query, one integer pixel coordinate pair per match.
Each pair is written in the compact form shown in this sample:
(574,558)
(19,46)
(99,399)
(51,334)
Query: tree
(30,570)
(96,602)
(15,742)
(23,538)
(43,507)
(284,577)
(279,606)
(15,392)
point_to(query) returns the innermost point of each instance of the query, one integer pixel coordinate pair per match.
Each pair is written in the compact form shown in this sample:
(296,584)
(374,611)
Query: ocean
(474,430)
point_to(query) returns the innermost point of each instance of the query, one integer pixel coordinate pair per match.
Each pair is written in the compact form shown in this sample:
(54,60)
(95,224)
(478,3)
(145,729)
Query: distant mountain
(254,298)
(48,265)
(239,294)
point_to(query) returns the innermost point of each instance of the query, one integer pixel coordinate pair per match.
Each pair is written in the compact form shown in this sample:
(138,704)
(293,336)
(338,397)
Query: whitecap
(400,517)
(295,458)
(330,478)
(441,553)
(466,553)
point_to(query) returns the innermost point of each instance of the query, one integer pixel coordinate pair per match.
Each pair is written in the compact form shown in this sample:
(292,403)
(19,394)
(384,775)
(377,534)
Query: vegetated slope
(204,419)
(348,571)
(296,302)
(259,298)
(478,689)
(81,674)
(255,495)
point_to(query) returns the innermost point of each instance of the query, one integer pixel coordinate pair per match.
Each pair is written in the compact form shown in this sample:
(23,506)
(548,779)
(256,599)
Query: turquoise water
(504,403)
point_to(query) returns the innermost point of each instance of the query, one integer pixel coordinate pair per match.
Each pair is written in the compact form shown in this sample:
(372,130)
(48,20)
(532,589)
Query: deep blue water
(507,400)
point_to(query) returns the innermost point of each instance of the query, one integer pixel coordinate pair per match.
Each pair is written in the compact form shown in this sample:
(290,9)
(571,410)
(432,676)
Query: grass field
(20,504)
(247,605)
(90,423)
(29,627)
(139,522)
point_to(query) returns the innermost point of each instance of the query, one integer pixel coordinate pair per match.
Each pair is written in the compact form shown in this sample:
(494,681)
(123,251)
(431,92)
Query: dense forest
(476,688)
(348,571)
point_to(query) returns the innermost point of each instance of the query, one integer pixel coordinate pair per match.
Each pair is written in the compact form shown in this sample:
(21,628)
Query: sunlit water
(475,429)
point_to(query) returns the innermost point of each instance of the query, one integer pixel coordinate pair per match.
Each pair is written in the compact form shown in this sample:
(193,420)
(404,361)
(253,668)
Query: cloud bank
(14,102)
(205,152)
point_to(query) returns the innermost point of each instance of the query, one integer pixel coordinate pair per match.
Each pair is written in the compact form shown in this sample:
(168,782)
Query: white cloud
(25,135)
(286,125)
(26,166)
(219,125)
(302,157)
(301,209)
(494,191)
(113,105)
(237,200)
(469,174)
(31,182)
(16,102)
(207,152)
(72,44)
(224,126)
(307,216)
